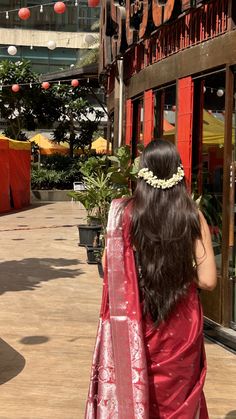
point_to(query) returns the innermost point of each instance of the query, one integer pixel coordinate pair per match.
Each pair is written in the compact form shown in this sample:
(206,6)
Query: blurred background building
(71,32)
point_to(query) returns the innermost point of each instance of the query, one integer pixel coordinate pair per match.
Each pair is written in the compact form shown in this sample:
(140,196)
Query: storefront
(170,71)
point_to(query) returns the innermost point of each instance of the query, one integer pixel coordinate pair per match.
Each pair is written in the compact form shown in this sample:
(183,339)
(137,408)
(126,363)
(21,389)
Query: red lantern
(59,7)
(15,88)
(173,108)
(45,85)
(75,83)
(24,13)
(93,3)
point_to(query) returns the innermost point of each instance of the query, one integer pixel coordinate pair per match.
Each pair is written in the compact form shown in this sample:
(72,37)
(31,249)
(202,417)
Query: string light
(39,83)
(41,6)
(12,50)
(51,45)
(220,92)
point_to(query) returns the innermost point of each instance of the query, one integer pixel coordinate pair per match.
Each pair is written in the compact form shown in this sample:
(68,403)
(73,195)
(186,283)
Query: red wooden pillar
(129,122)
(184,124)
(148,116)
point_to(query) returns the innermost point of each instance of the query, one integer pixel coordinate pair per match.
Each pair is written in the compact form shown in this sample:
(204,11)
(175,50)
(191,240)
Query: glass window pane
(208,152)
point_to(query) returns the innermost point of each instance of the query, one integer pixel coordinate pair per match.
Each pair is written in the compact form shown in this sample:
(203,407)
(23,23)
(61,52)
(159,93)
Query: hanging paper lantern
(15,88)
(75,83)
(173,108)
(93,3)
(51,45)
(220,92)
(12,50)
(59,7)
(24,13)
(45,85)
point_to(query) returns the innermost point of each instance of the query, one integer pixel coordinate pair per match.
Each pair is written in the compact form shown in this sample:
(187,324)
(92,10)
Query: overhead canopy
(213,131)
(47,146)
(100,145)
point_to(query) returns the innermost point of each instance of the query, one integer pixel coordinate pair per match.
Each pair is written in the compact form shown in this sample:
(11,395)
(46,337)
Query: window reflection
(232,260)
(137,125)
(165,113)
(208,152)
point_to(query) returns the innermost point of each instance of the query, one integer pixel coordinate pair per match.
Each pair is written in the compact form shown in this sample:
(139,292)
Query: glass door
(208,143)
(232,239)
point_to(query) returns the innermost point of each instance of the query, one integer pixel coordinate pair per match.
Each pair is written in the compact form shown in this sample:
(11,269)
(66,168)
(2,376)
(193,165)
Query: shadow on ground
(11,362)
(26,274)
(231,415)
(22,210)
(34,340)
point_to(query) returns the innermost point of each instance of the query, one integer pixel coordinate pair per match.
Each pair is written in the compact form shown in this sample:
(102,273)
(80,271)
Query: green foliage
(94,166)
(74,125)
(91,57)
(45,179)
(29,107)
(58,172)
(59,162)
(122,170)
(105,179)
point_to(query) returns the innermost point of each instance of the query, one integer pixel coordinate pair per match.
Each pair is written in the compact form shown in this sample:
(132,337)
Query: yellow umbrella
(47,146)
(100,145)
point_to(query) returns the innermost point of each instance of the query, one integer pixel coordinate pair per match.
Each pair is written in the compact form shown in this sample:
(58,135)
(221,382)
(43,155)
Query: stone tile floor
(50,302)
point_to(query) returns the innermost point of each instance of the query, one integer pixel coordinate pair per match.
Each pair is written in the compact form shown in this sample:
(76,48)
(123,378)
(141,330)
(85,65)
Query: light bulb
(51,45)
(7,15)
(220,92)
(41,9)
(12,50)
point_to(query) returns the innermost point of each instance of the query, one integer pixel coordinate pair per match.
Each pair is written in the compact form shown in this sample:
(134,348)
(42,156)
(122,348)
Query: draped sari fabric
(141,371)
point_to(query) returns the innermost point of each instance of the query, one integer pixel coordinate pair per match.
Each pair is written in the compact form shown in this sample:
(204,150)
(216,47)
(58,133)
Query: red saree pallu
(142,371)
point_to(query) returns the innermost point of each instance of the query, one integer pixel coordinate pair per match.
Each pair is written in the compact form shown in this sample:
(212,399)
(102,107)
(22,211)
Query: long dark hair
(164,228)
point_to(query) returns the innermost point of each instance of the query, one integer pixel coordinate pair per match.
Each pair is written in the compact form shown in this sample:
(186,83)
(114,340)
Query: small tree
(28,108)
(77,120)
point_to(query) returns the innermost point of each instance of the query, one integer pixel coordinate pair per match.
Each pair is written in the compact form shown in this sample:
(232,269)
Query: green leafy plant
(105,178)
(21,109)
(77,119)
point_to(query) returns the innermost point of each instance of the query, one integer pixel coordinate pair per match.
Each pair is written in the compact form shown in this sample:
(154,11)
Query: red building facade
(169,69)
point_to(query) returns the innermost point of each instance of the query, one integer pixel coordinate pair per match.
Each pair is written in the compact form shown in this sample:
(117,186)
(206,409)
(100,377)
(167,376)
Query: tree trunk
(72,137)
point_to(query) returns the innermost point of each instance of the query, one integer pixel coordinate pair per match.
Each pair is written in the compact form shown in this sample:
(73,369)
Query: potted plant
(105,179)
(89,232)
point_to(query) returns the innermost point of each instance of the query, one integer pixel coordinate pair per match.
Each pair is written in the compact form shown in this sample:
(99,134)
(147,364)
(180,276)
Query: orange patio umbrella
(47,146)
(100,145)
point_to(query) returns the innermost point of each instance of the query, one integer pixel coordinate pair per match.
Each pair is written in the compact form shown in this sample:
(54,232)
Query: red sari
(141,371)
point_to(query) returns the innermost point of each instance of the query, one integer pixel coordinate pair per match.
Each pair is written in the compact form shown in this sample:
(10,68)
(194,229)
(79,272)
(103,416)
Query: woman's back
(165,228)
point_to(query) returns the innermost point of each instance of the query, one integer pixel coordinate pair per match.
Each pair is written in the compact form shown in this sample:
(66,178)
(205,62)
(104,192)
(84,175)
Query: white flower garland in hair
(153,181)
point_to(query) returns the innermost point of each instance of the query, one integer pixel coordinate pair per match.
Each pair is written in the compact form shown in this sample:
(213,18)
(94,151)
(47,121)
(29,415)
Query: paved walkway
(49,310)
